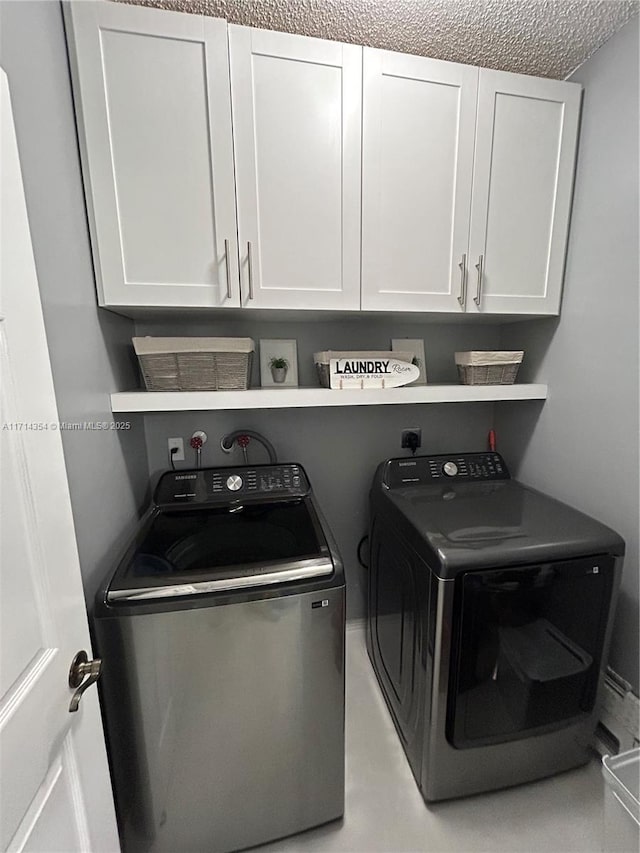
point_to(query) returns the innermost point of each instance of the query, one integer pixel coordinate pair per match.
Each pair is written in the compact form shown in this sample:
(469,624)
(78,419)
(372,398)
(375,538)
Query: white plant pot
(279,374)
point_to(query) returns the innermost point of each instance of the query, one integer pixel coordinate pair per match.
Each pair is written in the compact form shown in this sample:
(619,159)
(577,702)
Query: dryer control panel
(466,467)
(231,485)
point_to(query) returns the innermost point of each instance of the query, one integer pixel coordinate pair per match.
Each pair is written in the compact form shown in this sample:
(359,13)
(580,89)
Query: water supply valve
(196,442)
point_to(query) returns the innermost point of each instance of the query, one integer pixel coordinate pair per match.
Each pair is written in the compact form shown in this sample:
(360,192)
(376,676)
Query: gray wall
(316,331)
(583,446)
(90,349)
(339,448)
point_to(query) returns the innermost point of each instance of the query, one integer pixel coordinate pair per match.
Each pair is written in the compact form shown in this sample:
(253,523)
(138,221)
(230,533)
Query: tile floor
(385,812)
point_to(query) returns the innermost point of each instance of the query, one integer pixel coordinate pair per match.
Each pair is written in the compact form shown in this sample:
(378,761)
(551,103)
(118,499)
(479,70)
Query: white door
(55,793)
(296,123)
(417,148)
(154,116)
(523,179)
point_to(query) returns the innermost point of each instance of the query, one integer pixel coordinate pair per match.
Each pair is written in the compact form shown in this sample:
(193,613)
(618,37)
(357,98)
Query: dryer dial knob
(450,469)
(234,482)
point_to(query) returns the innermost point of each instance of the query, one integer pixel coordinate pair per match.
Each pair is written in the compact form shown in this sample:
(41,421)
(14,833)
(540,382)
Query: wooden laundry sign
(371,372)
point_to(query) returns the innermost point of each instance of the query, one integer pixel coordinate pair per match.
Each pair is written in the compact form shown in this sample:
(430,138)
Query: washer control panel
(261,480)
(220,485)
(467,467)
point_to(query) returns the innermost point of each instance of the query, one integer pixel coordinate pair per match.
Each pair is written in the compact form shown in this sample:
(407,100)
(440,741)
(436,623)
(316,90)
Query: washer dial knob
(234,482)
(450,469)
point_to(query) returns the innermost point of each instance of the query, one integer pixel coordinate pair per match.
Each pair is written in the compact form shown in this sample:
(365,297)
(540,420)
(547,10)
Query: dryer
(490,610)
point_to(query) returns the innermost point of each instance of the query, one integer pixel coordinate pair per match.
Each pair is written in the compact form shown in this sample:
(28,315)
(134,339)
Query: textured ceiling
(547,38)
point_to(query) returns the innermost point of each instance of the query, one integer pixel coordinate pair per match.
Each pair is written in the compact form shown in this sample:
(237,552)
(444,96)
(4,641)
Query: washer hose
(227,442)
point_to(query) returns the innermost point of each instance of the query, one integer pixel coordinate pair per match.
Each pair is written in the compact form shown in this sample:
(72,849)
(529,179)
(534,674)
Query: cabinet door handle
(226,260)
(250,269)
(462,299)
(479,266)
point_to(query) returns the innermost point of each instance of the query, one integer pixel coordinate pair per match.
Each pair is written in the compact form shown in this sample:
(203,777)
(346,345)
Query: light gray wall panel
(583,447)
(90,349)
(339,448)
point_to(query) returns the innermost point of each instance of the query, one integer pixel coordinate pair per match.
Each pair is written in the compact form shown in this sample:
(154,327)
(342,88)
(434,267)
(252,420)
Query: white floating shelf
(300,398)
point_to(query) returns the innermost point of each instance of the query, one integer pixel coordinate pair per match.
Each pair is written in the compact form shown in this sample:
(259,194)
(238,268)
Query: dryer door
(527,648)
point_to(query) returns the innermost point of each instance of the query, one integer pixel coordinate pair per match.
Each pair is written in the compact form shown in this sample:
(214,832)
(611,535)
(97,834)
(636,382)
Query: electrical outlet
(178,443)
(411,438)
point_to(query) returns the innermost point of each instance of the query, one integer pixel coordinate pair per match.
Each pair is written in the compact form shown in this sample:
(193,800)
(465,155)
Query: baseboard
(619,725)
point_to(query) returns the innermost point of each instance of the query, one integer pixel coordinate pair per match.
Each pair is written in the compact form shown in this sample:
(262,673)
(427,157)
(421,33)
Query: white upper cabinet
(417,147)
(154,116)
(447,229)
(523,177)
(226,166)
(296,121)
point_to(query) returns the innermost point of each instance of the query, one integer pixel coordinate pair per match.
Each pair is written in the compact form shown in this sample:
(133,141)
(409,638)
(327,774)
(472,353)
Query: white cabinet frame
(416,202)
(505,200)
(263,65)
(107,161)
(314,175)
(524,167)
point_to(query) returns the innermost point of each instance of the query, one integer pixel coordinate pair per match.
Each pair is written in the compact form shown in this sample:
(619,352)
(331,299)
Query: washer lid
(198,549)
(479,525)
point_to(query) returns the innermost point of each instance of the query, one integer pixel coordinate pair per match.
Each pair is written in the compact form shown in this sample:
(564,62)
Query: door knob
(81,668)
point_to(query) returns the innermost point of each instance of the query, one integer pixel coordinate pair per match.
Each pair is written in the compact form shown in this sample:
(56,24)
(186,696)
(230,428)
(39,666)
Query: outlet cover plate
(179,444)
(404,442)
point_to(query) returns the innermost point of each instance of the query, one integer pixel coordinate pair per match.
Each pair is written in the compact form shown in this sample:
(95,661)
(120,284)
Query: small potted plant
(279,367)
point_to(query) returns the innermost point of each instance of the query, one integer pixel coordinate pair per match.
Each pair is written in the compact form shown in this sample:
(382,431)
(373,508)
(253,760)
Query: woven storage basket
(491,367)
(195,364)
(322,360)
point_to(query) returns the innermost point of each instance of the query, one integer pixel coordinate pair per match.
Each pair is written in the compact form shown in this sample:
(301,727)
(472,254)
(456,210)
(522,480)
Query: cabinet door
(154,115)
(296,122)
(523,178)
(417,146)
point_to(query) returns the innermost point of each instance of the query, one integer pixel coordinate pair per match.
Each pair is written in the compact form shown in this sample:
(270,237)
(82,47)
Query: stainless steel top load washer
(489,618)
(222,637)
